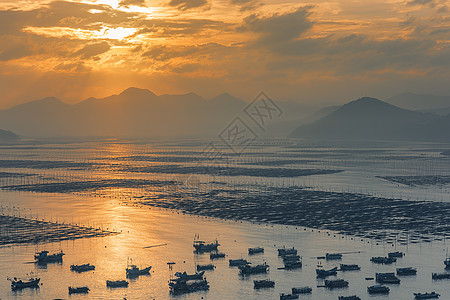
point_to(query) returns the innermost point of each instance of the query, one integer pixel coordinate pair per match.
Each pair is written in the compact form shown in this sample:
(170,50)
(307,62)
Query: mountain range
(141,113)
(138,113)
(372,119)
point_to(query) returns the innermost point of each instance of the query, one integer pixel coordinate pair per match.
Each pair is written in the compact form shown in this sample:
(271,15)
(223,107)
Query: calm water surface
(142,227)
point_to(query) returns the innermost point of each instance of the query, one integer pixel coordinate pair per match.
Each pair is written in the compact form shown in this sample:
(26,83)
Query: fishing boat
(378,289)
(287,251)
(345,267)
(78,290)
(291,257)
(408,271)
(289,265)
(387,278)
(184,276)
(396,254)
(325,273)
(133,270)
(302,290)
(258,269)
(431,295)
(182,286)
(266,283)
(117,283)
(238,262)
(18,283)
(44,257)
(437,276)
(288,296)
(205,267)
(201,246)
(383,260)
(255,250)
(354,297)
(82,268)
(337,283)
(333,256)
(216,255)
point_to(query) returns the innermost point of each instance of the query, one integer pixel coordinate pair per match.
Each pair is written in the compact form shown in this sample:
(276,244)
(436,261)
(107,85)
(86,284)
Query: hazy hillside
(139,113)
(6,135)
(373,119)
(419,101)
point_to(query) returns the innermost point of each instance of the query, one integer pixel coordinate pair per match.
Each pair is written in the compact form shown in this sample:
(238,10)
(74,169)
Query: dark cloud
(278,28)
(91,50)
(188,4)
(246,4)
(166,53)
(132,2)
(77,67)
(14,50)
(423,2)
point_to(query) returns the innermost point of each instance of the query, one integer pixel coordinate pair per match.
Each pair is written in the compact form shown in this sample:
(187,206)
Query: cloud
(246,4)
(91,50)
(132,2)
(431,3)
(278,28)
(188,4)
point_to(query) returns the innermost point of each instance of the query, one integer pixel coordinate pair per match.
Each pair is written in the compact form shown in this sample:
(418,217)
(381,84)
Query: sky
(302,51)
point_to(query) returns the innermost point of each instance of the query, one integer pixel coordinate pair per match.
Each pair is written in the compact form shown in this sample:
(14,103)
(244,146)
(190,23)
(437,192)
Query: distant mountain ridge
(138,112)
(372,119)
(6,135)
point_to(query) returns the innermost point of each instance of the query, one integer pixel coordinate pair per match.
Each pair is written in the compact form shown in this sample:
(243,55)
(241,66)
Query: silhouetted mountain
(6,135)
(372,119)
(133,113)
(419,101)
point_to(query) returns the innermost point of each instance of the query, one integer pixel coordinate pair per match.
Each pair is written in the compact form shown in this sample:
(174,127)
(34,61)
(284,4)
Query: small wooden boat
(216,255)
(132,270)
(431,295)
(302,290)
(345,267)
(205,267)
(78,290)
(387,278)
(117,283)
(258,284)
(288,296)
(333,256)
(17,283)
(338,283)
(408,271)
(396,254)
(325,273)
(82,268)
(255,250)
(238,262)
(184,276)
(44,257)
(378,289)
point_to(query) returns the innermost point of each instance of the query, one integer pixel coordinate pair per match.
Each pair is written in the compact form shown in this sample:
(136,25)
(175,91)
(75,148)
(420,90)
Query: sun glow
(118,33)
